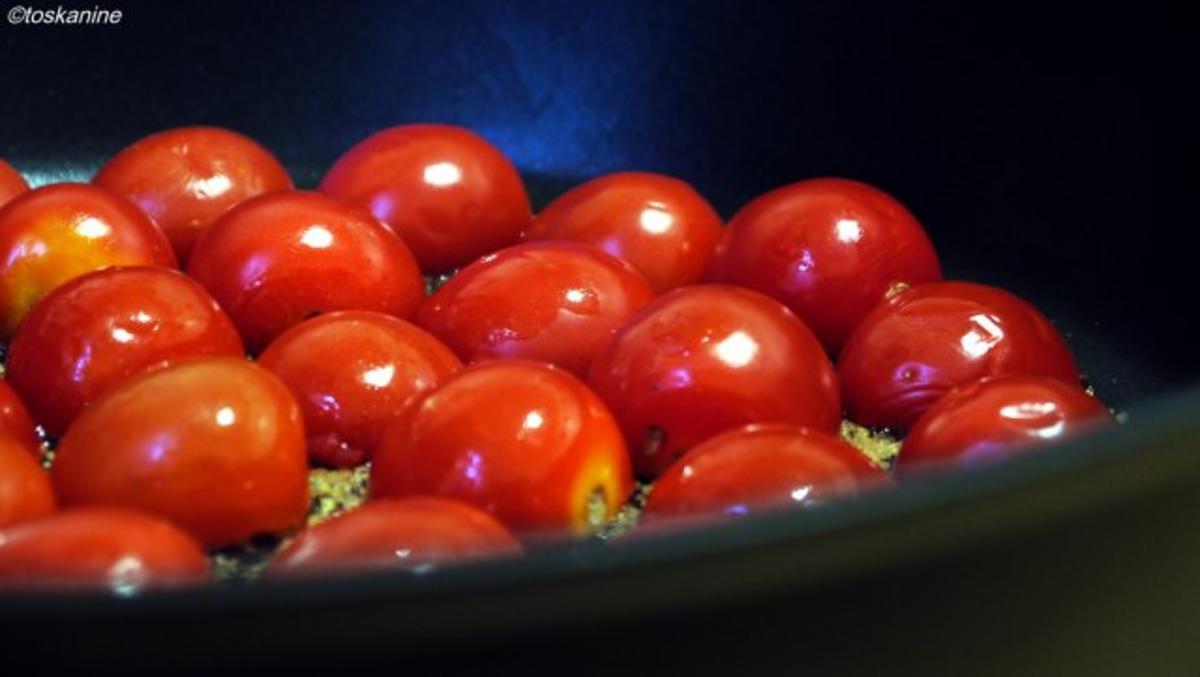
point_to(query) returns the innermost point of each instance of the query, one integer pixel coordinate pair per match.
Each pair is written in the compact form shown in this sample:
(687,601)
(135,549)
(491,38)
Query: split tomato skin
(830,249)
(115,549)
(15,421)
(185,178)
(913,349)
(56,233)
(709,358)
(557,302)
(415,534)
(25,491)
(105,326)
(214,444)
(450,194)
(996,418)
(280,258)
(352,373)
(12,183)
(525,441)
(658,224)
(760,468)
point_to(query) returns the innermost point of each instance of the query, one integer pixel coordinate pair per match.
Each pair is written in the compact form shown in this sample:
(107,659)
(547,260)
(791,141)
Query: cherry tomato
(451,195)
(830,249)
(276,259)
(705,359)
(56,233)
(121,550)
(994,418)
(557,302)
(525,441)
(15,422)
(214,444)
(185,178)
(352,373)
(659,224)
(25,491)
(100,328)
(12,183)
(415,534)
(911,350)
(761,467)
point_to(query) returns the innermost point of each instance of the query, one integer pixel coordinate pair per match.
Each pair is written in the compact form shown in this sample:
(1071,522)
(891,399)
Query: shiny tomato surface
(12,183)
(450,194)
(761,467)
(414,534)
(15,421)
(214,444)
(912,350)
(525,441)
(98,329)
(56,233)
(25,491)
(557,302)
(123,551)
(830,249)
(185,178)
(277,259)
(659,224)
(353,372)
(998,417)
(701,360)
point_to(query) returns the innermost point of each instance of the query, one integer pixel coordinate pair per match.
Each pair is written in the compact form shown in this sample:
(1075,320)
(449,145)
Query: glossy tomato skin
(910,351)
(12,183)
(25,491)
(102,327)
(658,224)
(413,534)
(56,233)
(525,441)
(704,359)
(761,467)
(185,178)
(277,259)
(353,372)
(557,302)
(117,549)
(451,195)
(15,421)
(214,444)
(995,418)
(830,249)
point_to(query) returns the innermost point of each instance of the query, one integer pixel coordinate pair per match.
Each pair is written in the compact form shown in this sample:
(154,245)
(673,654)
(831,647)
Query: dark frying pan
(1024,141)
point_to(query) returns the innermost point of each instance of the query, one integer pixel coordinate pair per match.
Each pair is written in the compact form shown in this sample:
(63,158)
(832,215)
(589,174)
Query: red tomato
(56,233)
(830,249)
(451,195)
(761,467)
(185,178)
(15,422)
(276,259)
(557,302)
(100,328)
(701,360)
(353,372)
(659,224)
(525,441)
(214,444)
(998,417)
(415,534)
(25,490)
(12,183)
(121,550)
(912,350)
